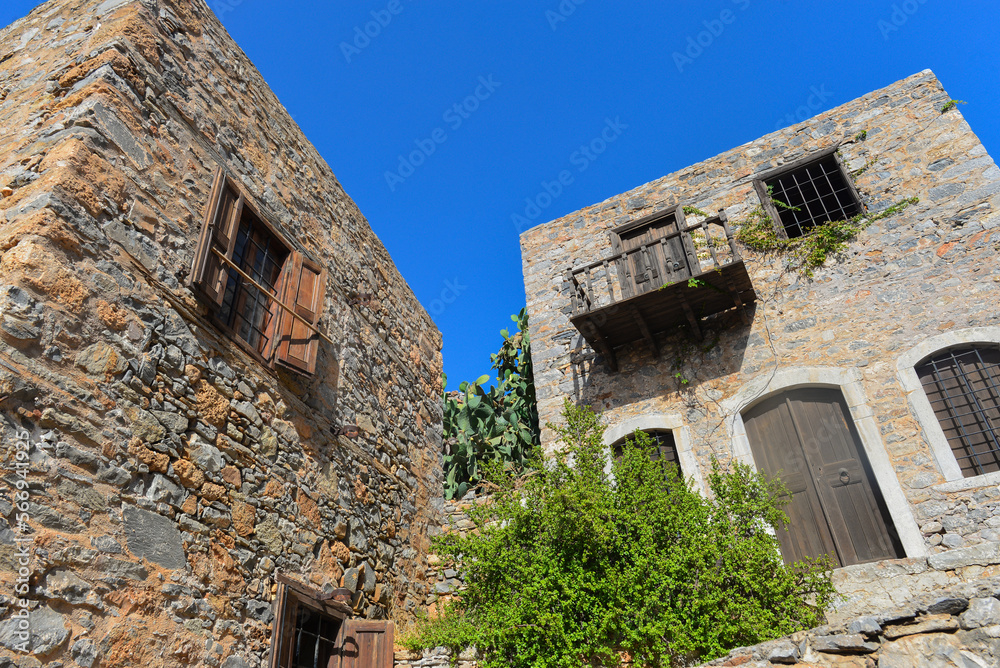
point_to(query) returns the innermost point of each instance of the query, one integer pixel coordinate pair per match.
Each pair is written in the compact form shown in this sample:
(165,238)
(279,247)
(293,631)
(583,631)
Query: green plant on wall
(812,249)
(495,424)
(582,560)
(950,104)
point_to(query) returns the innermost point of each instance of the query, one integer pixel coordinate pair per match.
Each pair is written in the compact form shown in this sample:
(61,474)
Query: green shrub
(579,562)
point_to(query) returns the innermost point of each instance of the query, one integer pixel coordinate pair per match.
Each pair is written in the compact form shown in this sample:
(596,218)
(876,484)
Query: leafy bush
(499,424)
(584,561)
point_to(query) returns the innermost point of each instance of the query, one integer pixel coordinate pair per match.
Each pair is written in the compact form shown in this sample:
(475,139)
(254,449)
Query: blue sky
(374,86)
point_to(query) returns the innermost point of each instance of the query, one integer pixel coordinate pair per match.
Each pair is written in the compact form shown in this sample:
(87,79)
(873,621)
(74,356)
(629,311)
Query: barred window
(264,293)
(313,629)
(663,447)
(808,193)
(963,387)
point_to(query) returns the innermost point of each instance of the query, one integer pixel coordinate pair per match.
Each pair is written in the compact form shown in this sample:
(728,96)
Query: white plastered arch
(848,381)
(663,422)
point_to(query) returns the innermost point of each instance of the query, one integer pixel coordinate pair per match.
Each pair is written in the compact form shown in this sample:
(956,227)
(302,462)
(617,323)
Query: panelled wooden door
(366,644)
(647,270)
(807,438)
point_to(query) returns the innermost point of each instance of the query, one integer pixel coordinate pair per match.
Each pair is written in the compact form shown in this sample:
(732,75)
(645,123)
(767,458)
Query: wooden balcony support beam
(736,300)
(692,320)
(646,334)
(600,344)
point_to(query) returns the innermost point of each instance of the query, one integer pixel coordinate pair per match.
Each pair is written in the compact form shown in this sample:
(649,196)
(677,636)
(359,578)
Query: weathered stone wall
(959,626)
(928,270)
(172,475)
(444,576)
(439,657)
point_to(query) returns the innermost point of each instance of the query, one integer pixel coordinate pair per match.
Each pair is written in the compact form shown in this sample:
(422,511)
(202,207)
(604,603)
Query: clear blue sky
(554,73)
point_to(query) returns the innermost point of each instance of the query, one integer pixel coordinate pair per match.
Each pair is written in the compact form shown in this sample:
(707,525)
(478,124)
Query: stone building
(870,383)
(220,400)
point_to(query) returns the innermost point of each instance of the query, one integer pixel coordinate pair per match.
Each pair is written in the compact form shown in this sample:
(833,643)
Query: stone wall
(444,576)
(166,477)
(952,627)
(929,270)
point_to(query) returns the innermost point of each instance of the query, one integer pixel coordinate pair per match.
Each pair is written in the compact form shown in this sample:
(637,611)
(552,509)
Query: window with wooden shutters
(651,251)
(963,387)
(311,630)
(267,295)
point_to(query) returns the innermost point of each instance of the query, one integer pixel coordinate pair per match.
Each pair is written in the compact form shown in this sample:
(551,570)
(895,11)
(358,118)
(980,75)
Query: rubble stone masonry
(158,477)
(910,284)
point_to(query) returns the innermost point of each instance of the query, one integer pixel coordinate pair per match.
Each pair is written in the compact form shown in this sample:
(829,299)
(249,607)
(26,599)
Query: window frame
(760,185)
(906,374)
(291,596)
(674,423)
(618,447)
(207,269)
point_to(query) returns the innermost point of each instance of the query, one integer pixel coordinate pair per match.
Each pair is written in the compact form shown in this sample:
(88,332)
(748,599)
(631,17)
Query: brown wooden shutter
(366,644)
(283,628)
(209,274)
(304,291)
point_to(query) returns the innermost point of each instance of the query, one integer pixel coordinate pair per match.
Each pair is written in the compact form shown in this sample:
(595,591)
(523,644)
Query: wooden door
(807,438)
(366,644)
(649,263)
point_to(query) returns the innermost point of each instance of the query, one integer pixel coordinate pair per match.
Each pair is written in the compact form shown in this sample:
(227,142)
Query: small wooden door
(366,644)
(649,263)
(807,438)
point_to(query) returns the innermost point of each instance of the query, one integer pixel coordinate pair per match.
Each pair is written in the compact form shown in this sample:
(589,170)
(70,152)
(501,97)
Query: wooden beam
(736,298)
(693,321)
(600,344)
(644,328)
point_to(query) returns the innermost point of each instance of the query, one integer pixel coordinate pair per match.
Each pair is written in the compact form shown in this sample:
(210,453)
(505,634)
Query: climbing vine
(811,250)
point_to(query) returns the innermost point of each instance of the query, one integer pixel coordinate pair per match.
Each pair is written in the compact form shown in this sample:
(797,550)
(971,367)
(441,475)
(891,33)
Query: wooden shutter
(209,274)
(366,644)
(304,291)
(806,437)
(663,449)
(648,270)
(283,628)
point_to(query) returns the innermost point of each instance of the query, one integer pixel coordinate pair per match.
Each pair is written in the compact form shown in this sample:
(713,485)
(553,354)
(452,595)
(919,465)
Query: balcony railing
(680,276)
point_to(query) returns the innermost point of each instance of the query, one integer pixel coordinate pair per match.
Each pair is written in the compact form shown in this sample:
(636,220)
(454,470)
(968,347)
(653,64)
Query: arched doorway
(807,438)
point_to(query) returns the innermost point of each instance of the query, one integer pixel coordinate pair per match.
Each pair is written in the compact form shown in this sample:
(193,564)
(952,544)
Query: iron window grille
(315,638)
(963,387)
(662,449)
(266,294)
(315,629)
(808,193)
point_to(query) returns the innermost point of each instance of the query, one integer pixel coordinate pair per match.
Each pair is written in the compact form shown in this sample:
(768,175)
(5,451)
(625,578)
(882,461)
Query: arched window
(963,388)
(665,448)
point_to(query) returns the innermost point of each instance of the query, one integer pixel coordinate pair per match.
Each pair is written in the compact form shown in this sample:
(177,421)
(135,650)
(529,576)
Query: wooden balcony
(646,287)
